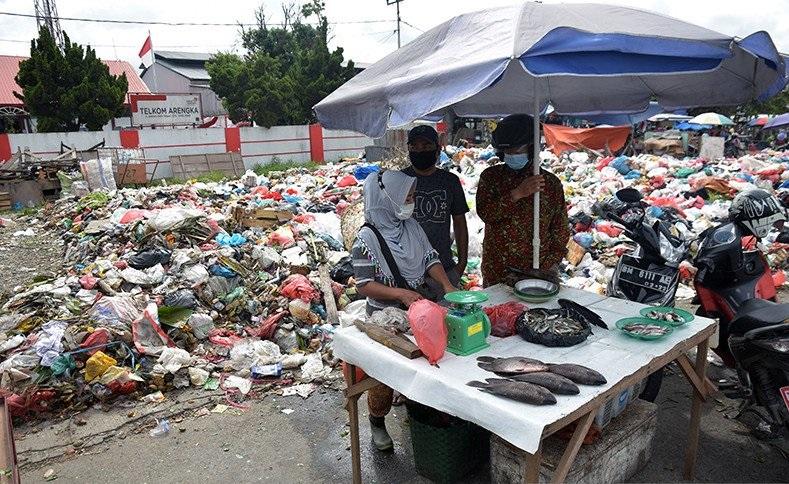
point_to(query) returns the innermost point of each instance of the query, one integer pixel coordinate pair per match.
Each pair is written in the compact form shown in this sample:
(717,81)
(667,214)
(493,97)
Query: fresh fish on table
(578,374)
(581,313)
(669,316)
(645,329)
(513,365)
(555,383)
(515,390)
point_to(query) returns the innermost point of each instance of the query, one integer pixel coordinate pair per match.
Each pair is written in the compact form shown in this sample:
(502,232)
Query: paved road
(310,444)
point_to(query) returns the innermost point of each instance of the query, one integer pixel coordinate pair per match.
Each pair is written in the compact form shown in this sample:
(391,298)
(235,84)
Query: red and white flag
(146,53)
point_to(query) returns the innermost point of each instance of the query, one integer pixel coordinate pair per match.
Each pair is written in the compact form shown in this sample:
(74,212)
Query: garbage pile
(208,285)
(237,286)
(694,190)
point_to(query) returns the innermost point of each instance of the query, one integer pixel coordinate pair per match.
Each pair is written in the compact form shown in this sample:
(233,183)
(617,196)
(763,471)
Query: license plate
(644,278)
(785,395)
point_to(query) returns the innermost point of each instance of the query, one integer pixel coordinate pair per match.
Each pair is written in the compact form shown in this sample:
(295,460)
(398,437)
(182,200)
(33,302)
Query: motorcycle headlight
(670,253)
(781,345)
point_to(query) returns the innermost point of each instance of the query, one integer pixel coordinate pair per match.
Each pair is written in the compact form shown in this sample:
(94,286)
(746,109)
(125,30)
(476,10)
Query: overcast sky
(363,42)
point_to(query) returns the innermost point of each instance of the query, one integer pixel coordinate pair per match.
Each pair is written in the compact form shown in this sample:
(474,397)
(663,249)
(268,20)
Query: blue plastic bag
(363,171)
(230,240)
(221,271)
(620,164)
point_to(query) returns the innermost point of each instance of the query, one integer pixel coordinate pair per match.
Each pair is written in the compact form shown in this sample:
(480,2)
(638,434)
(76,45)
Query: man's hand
(527,187)
(408,297)
(460,267)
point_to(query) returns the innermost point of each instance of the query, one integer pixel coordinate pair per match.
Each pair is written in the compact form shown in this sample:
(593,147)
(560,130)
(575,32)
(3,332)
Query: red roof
(9,66)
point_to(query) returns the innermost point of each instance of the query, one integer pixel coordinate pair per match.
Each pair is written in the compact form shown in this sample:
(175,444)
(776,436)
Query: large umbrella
(669,117)
(713,119)
(759,120)
(582,58)
(778,121)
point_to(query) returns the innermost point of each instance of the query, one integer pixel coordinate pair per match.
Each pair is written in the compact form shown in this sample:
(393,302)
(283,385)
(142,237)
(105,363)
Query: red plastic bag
(88,282)
(223,337)
(430,330)
(502,318)
(608,228)
(96,339)
(347,181)
(267,328)
(133,215)
(298,286)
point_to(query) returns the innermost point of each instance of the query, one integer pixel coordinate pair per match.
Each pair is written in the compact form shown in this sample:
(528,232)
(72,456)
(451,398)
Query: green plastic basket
(446,448)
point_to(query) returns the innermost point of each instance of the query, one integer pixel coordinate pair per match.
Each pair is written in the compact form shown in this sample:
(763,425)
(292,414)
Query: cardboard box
(263,218)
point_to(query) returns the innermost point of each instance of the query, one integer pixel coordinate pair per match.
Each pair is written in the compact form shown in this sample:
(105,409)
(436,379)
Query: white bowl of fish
(644,328)
(536,290)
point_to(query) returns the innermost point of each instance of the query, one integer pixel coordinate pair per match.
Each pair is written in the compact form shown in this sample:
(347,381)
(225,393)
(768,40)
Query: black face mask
(422,160)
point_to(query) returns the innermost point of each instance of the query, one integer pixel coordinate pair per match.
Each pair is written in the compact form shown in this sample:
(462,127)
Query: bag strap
(387,253)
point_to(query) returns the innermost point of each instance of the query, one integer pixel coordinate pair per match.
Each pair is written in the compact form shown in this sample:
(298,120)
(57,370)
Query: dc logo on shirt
(431,206)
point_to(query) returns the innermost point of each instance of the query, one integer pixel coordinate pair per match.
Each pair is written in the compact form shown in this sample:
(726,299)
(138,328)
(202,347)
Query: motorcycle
(649,274)
(734,284)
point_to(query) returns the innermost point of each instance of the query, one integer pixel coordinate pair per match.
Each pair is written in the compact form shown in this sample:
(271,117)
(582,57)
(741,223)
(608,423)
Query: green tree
(67,89)
(287,69)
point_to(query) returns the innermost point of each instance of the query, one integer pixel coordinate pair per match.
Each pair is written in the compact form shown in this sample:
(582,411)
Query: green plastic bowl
(686,316)
(648,337)
(536,290)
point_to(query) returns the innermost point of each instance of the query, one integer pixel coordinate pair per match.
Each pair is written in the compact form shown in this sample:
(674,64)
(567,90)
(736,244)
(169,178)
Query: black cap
(425,132)
(514,131)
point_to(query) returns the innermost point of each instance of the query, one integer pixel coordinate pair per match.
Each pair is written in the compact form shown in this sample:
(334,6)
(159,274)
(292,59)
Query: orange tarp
(562,138)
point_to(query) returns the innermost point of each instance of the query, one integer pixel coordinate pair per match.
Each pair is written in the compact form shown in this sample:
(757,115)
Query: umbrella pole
(536,167)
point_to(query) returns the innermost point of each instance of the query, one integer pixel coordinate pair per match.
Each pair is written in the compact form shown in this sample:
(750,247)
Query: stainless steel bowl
(536,290)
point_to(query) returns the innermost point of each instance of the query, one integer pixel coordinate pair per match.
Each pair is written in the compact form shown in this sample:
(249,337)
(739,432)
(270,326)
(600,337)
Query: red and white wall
(257,145)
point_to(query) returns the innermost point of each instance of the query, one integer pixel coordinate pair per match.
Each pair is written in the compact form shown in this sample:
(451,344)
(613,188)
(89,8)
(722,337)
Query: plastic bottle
(162,428)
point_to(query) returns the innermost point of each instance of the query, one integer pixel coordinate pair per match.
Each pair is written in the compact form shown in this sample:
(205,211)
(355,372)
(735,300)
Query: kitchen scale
(467,323)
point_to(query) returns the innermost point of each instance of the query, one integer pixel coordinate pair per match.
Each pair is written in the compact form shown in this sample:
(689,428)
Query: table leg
(695,414)
(353,417)
(531,472)
(581,428)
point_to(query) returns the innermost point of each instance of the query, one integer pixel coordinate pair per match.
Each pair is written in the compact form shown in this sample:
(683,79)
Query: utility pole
(397,5)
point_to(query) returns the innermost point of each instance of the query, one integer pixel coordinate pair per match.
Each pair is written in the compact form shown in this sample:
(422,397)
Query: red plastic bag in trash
(779,278)
(133,215)
(298,286)
(88,282)
(267,328)
(608,228)
(304,218)
(347,181)
(96,339)
(430,330)
(223,337)
(31,401)
(502,318)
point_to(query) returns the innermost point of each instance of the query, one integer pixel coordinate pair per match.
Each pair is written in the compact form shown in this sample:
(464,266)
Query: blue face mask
(516,161)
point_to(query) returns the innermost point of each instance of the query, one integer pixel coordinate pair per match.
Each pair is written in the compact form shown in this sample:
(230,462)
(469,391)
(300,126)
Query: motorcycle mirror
(629,195)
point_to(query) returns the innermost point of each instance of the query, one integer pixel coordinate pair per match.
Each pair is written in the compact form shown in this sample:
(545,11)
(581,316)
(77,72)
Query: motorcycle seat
(758,313)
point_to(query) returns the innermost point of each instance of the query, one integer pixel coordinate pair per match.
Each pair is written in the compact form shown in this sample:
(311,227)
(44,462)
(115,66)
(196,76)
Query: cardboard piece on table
(260,217)
(398,343)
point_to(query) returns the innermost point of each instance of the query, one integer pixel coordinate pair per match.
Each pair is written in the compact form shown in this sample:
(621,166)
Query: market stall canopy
(563,138)
(713,119)
(582,58)
(759,120)
(615,119)
(778,121)
(686,126)
(669,117)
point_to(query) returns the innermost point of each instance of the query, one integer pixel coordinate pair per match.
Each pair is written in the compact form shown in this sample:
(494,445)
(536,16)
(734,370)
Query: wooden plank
(353,417)
(582,427)
(397,343)
(691,452)
(357,389)
(690,373)
(639,375)
(531,473)
(328,295)
(8,460)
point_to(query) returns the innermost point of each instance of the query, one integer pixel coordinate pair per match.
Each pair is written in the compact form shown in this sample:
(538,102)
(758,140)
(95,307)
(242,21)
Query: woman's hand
(408,297)
(528,186)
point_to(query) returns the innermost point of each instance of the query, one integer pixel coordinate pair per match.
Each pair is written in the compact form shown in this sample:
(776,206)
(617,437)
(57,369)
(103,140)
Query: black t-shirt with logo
(438,197)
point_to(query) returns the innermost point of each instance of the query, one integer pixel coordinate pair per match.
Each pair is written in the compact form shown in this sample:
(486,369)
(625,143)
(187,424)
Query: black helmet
(757,211)
(514,131)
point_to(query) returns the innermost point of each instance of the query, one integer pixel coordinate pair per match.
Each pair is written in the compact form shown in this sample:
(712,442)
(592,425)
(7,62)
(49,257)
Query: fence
(256,145)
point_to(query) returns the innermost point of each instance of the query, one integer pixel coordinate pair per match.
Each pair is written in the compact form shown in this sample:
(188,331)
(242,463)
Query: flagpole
(153,64)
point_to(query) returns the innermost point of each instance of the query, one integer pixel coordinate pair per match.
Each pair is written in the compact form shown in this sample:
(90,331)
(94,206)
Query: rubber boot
(381,438)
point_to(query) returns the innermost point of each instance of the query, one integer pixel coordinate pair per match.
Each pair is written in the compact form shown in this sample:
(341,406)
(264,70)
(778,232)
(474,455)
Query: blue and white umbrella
(583,59)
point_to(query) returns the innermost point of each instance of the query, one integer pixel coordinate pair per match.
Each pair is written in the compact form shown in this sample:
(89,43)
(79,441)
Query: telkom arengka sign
(165,109)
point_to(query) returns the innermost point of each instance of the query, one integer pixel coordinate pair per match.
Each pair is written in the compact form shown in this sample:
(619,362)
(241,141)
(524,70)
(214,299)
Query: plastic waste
(115,312)
(427,320)
(97,365)
(230,240)
(173,359)
(201,325)
(149,338)
(149,258)
(198,376)
(342,271)
(298,286)
(98,174)
(162,428)
(503,316)
(183,298)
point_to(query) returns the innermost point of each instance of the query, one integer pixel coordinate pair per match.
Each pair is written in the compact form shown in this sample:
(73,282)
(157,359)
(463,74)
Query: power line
(413,26)
(130,45)
(180,24)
